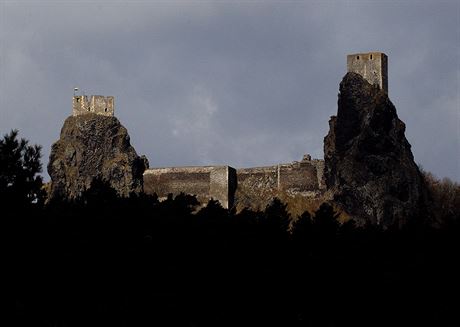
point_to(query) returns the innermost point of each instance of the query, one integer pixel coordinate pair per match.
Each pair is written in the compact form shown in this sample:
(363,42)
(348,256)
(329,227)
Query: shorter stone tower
(97,104)
(372,66)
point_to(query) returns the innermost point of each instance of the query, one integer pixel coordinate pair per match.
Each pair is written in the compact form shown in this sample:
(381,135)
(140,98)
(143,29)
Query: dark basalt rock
(94,147)
(369,166)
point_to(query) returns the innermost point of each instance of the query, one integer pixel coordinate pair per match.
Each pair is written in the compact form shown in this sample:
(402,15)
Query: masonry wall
(258,186)
(102,105)
(96,104)
(80,105)
(247,187)
(372,66)
(258,178)
(217,182)
(301,177)
(223,185)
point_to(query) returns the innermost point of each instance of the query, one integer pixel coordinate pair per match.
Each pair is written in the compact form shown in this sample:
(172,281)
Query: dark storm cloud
(229,83)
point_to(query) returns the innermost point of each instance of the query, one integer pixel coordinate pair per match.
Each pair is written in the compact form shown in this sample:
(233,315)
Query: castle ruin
(372,66)
(255,186)
(245,186)
(97,104)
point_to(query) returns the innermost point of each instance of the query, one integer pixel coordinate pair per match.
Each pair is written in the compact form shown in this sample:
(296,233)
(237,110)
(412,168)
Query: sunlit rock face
(369,166)
(94,147)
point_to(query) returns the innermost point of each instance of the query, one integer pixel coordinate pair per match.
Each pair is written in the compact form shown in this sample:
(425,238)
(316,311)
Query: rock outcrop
(369,166)
(94,147)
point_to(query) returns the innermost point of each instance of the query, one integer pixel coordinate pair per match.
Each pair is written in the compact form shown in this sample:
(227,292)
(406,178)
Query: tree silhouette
(99,194)
(176,210)
(325,220)
(302,229)
(277,217)
(20,164)
(213,211)
(142,261)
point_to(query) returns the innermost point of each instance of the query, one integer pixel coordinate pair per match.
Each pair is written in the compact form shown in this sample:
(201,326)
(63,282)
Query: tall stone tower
(372,66)
(97,104)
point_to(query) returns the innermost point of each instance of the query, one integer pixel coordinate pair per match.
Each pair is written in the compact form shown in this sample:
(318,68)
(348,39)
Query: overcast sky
(238,83)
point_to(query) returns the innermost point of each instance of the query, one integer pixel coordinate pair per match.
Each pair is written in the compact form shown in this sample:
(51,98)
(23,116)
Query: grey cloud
(238,83)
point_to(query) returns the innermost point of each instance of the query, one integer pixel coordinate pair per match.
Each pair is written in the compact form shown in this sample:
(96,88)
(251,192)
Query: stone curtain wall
(301,177)
(258,186)
(190,180)
(217,182)
(247,187)
(258,178)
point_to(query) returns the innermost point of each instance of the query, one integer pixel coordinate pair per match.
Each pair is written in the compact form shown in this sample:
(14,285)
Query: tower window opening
(105,109)
(357,57)
(371,56)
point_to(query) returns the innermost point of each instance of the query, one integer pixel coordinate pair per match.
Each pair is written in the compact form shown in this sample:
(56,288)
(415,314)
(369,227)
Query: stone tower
(372,66)
(97,104)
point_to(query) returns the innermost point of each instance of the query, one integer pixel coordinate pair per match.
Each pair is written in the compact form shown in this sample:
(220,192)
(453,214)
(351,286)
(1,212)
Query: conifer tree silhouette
(20,165)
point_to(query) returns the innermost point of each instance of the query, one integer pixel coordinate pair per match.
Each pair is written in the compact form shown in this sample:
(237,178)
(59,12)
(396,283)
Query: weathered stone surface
(369,166)
(258,186)
(372,66)
(210,182)
(94,146)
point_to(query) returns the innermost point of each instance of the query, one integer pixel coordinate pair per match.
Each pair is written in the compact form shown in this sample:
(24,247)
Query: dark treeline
(109,261)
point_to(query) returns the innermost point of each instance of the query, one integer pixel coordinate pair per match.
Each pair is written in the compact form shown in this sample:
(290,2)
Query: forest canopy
(131,261)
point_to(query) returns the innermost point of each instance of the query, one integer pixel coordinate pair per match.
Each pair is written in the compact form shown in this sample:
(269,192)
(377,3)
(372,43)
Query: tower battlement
(372,66)
(96,104)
